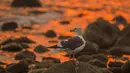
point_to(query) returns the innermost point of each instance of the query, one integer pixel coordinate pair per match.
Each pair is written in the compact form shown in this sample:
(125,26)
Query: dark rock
(2,70)
(37,12)
(26,3)
(85,58)
(12,47)
(115,69)
(97,63)
(21,67)
(80,15)
(126,67)
(64,37)
(105,38)
(120,20)
(119,50)
(21,41)
(9,26)
(70,67)
(40,49)
(100,57)
(24,45)
(50,34)
(2,63)
(64,22)
(51,59)
(115,64)
(47,62)
(105,70)
(53,41)
(124,39)
(25,55)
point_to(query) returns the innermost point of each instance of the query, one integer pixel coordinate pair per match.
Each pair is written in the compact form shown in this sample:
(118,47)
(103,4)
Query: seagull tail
(54,46)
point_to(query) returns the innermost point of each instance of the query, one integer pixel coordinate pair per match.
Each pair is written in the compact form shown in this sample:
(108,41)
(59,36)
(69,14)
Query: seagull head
(77,30)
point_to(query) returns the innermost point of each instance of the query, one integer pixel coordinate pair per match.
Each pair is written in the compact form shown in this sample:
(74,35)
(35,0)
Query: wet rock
(85,58)
(119,50)
(2,63)
(37,12)
(115,69)
(9,26)
(120,20)
(26,3)
(12,47)
(47,62)
(115,64)
(40,49)
(97,63)
(126,67)
(24,45)
(100,57)
(22,41)
(25,55)
(70,67)
(64,37)
(21,67)
(105,38)
(50,34)
(64,22)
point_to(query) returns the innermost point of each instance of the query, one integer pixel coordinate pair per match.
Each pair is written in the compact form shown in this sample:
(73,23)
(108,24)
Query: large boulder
(26,3)
(101,32)
(71,67)
(50,34)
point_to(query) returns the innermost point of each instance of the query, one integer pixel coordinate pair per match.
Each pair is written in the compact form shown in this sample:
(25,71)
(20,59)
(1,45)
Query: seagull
(73,45)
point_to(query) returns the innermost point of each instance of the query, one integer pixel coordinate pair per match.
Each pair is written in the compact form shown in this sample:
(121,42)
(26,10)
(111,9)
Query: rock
(9,26)
(2,70)
(97,63)
(48,62)
(120,20)
(25,3)
(2,63)
(22,41)
(64,22)
(85,58)
(50,34)
(70,67)
(12,47)
(115,69)
(25,55)
(105,70)
(105,38)
(115,64)
(21,67)
(119,50)
(36,12)
(126,67)
(123,39)
(63,37)
(100,57)
(24,45)
(51,59)
(40,49)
